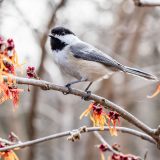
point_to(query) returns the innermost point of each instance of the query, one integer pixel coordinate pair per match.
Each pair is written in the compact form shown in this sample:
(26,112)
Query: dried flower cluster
(114,156)
(123,157)
(8,65)
(101,118)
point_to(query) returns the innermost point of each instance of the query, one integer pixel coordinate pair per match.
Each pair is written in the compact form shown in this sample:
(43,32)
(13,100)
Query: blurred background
(129,34)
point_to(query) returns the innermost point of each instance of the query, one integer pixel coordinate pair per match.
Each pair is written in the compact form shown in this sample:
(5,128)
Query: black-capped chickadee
(83,61)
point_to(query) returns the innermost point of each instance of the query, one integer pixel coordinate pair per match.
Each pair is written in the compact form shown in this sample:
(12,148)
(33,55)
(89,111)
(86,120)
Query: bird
(84,61)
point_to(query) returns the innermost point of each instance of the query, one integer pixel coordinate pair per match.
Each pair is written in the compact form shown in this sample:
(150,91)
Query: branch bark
(106,103)
(80,130)
(149,3)
(5,141)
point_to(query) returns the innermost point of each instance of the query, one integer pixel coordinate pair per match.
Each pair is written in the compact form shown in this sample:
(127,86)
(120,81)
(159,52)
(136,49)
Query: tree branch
(106,103)
(80,130)
(149,3)
(5,141)
(103,141)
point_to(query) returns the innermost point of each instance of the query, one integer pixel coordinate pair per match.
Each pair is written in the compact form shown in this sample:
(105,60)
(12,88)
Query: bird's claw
(45,87)
(68,86)
(87,96)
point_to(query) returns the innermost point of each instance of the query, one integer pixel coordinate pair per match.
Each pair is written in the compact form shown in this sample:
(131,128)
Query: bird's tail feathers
(140,73)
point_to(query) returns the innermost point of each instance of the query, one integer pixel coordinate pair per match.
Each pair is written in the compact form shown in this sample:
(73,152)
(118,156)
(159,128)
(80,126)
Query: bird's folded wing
(87,52)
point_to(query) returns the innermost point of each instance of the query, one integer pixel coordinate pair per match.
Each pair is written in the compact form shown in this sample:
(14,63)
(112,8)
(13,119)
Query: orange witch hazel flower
(8,57)
(7,155)
(8,64)
(113,117)
(9,92)
(15,95)
(155,93)
(98,116)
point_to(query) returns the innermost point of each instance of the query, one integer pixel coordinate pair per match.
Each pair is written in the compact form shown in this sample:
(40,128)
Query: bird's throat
(57,44)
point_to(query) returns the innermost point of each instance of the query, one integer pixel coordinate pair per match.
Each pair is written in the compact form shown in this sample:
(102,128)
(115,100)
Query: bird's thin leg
(86,97)
(68,85)
(88,86)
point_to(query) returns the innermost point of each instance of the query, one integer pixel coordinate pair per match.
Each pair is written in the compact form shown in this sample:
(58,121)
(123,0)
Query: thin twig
(103,141)
(5,141)
(109,147)
(106,103)
(68,133)
(149,3)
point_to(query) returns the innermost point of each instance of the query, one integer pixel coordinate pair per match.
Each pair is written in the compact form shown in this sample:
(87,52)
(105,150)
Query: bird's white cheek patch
(68,39)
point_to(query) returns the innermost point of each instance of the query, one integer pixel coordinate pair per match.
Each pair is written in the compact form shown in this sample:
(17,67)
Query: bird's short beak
(50,35)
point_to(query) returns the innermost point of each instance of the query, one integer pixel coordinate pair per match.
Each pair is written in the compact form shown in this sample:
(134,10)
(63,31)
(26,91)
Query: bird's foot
(87,96)
(68,86)
(45,87)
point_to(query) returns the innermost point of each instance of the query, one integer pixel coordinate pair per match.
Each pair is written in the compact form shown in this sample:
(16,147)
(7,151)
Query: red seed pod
(103,148)
(10,44)
(31,72)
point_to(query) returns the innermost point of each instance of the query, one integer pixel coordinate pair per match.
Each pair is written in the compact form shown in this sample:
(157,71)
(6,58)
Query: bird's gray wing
(87,52)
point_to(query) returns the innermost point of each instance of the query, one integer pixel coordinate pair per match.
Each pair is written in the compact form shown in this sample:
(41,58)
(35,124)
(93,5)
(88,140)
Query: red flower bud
(10,44)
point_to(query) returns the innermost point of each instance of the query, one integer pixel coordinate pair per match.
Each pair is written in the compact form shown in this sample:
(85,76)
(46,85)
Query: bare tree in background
(41,70)
(131,34)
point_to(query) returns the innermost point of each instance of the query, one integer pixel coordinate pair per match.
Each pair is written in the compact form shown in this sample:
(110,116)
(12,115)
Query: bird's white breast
(60,57)
(79,68)
(63,59)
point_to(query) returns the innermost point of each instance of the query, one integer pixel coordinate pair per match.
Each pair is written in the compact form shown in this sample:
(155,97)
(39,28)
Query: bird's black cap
(61,31)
